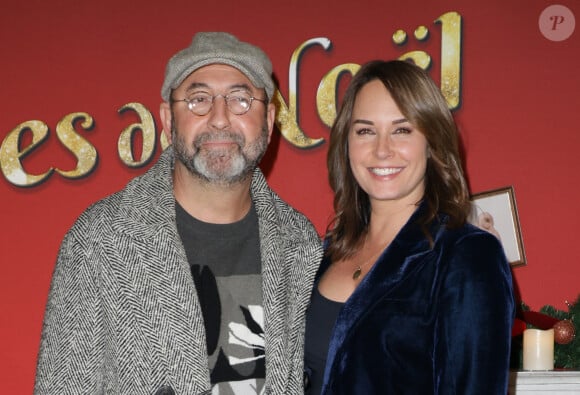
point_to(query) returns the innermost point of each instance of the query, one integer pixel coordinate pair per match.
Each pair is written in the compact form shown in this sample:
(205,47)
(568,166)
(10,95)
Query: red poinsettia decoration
(538,320)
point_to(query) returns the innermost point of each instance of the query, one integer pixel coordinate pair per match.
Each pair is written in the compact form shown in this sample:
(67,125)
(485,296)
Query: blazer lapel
(396,262)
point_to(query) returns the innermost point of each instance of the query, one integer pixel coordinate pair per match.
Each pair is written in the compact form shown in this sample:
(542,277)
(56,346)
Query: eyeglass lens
(238,102)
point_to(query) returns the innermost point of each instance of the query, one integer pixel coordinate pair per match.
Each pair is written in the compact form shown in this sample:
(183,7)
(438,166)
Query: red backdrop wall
(518,105)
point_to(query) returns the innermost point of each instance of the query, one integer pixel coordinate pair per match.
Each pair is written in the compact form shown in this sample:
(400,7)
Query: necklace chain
(358,271)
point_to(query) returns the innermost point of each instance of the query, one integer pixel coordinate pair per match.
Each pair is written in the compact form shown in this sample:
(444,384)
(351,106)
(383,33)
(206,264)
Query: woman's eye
(363,131)
(402,131)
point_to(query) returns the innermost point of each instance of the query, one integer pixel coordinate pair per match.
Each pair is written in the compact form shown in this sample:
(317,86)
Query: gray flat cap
(219,48)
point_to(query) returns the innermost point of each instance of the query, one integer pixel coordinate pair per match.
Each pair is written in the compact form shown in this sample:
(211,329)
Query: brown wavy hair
(421,102)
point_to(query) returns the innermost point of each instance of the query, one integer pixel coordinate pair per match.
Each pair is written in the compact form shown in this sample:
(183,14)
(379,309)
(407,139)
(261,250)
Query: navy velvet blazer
(427,320)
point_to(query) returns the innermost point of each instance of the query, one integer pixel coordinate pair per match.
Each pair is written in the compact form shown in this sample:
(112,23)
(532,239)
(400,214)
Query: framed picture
(496,212)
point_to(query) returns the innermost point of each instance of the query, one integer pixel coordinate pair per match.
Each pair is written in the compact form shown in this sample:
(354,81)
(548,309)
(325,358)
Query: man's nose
(219,114)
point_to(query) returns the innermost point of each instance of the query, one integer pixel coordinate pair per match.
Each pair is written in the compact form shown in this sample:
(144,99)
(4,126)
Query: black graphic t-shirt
(225,264)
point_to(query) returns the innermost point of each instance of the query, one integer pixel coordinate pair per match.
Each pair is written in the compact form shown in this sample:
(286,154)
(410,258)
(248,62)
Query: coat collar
(147,204)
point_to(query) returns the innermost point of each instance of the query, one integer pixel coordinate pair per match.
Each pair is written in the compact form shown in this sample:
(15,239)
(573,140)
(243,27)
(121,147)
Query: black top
(320,319)
(225,262)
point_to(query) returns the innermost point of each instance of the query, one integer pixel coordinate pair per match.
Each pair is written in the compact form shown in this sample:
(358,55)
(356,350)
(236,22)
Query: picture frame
(496,212)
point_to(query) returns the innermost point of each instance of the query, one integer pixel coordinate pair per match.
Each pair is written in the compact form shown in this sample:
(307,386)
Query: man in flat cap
(195,278)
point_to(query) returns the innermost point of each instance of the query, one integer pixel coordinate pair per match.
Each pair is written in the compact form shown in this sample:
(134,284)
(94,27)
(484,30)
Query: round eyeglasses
(238,103)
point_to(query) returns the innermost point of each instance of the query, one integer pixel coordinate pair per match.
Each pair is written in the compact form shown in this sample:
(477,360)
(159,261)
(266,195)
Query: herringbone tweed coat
(123,316)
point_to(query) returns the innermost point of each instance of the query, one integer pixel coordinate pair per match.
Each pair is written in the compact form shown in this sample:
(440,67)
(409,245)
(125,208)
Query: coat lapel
(162,277)
(289,264)
(273,279)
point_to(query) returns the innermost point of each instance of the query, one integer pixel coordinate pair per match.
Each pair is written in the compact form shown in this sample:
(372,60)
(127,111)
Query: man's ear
(165,115)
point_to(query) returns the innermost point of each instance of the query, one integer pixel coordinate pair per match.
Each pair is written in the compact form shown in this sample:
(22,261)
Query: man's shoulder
(98,214)
(291,216)
(136,201)
(271,207)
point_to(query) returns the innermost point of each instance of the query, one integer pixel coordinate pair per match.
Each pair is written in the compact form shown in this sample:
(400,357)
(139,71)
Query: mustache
(222,135)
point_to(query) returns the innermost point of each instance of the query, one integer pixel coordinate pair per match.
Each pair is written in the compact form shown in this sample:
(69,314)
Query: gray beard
(223,166)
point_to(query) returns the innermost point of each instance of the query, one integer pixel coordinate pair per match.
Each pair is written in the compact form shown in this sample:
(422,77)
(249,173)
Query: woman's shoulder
(472,248)
(468,234)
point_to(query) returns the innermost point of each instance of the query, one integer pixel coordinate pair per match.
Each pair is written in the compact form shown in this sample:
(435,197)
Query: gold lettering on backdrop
(451,57)
(147,128)
(11,155)
(287,119)
(287,115)
(84,151)
(420,58)
(326,95)
(327,92)
(450,54)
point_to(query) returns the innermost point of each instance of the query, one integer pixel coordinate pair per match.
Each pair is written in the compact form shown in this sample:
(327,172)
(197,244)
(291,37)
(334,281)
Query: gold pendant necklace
(358,271)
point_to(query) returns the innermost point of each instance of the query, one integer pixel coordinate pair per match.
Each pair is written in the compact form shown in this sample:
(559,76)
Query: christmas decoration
(565,324)
(564,332)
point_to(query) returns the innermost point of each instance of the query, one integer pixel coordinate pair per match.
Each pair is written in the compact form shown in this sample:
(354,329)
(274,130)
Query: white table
(553,382)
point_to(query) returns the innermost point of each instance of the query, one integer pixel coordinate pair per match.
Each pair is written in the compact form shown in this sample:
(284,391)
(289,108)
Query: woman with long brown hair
(410,298)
